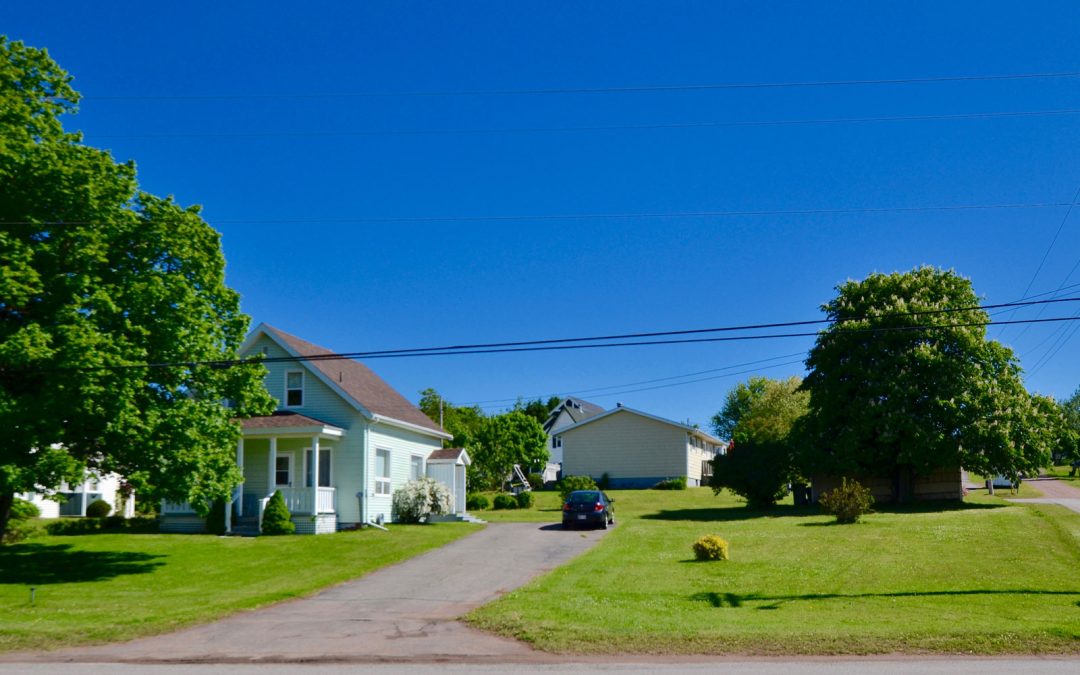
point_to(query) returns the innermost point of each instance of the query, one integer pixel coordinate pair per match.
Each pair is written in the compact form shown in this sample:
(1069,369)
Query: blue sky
(255,111)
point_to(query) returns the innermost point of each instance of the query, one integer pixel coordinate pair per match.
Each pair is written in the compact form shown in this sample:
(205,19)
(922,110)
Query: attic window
(294,388)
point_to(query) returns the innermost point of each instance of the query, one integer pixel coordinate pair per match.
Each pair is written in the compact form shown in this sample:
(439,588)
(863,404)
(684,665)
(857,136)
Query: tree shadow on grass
(762,601)
(729,514)
(40,564)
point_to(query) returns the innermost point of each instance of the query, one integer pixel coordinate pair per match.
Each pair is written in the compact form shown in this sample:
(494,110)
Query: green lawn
(1062,472)
(108,587)
(985,577)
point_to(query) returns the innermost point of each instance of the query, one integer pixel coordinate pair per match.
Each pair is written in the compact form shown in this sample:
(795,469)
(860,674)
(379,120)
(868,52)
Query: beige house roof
(357,381)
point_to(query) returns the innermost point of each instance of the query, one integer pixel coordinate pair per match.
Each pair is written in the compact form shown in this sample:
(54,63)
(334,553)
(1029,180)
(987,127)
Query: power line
(631,89)
(589,128)
(580,392)
(594,216)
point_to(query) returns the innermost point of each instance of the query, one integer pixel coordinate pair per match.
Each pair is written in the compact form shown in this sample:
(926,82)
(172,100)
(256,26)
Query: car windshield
(583,497)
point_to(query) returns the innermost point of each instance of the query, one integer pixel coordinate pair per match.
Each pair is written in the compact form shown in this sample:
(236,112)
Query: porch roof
(283,422)
(450,456)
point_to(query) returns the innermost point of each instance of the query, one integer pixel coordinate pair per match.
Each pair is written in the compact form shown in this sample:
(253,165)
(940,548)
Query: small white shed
(448,467)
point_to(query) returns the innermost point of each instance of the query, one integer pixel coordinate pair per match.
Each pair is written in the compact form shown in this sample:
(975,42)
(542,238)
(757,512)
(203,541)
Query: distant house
(570,411)
(636,449)
(75,498)
(340,443)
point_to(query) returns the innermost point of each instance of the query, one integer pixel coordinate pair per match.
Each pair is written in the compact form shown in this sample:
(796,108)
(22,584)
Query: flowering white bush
(420,498)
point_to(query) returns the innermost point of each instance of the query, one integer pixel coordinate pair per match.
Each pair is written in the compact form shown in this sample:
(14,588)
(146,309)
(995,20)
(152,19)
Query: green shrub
(605,481)
(756,471)
(676,483)
(65,527)
(710,547)
(17,530)
(571,483)
(477,502)
(215,520)
(22,510)
(536,481)
(848,503)
(525,500)
(99,508)
(276,518)
(504,502)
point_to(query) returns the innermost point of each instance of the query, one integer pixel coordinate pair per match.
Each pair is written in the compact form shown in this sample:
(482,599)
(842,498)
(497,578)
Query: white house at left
(75,498)
(339,444)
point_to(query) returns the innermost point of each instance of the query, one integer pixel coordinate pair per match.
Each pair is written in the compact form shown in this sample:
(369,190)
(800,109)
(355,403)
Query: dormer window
(294,388)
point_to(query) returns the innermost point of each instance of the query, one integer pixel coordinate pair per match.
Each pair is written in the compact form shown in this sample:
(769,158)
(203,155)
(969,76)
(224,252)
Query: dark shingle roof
(282,419)
(446,453)
(359,382)
(576,408)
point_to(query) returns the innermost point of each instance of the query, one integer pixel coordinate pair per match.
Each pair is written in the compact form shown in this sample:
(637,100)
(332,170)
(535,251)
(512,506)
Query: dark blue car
(587,508)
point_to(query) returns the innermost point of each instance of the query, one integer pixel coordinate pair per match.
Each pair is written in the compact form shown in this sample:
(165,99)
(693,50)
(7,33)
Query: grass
(109,587)
(1061,472)
(982,577)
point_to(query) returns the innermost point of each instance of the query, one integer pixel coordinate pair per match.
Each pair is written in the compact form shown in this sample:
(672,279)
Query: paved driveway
(403,611)
(1054,492)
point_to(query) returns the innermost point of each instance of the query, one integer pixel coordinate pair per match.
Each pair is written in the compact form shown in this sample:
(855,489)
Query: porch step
(456,518)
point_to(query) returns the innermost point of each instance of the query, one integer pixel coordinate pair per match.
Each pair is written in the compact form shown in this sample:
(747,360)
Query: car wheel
(603,523)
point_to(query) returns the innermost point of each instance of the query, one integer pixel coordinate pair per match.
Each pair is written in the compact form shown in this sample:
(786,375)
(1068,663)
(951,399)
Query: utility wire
(632,89)
(591,216)
(587,128)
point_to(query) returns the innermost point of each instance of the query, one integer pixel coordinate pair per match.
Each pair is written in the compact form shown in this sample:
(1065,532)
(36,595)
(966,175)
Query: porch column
(85,484)
(271,480)
(240,487)
(315,475)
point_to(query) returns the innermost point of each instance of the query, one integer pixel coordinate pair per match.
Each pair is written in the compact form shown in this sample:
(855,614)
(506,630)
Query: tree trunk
(903,479)
(6,500)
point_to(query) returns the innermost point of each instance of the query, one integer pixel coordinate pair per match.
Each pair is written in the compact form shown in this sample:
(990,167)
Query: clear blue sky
(250,110)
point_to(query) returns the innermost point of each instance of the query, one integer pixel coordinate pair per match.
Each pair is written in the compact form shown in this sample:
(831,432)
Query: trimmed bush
(276,518)
(848,503)
(22,510)
(99,508)
(572,483)
(215,520)
(710,547)
(65,527)
(502,502)
(418,499)
(756,471)
(477,502)
(536,481)
(525,500)
(605,481)
(676,483)
(17,530)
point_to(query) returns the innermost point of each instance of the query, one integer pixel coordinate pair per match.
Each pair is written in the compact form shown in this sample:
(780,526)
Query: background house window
(416,468)
(382,472)
(294,388)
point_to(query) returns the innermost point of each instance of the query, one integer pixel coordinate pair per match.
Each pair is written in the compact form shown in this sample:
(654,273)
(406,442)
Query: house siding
(402,444)
(634,451)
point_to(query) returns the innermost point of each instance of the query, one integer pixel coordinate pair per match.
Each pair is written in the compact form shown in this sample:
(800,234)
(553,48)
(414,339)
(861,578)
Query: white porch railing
(298,500)
(177,508)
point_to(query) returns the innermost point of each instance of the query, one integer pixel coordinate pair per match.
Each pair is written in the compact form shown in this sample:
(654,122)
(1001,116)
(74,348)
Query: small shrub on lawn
(99,508)
(17,530)
(22,510)
(418,499)
(710,547)
(525,500)
(504,502)
(475,502)
(276,519)
(572,483)
(676,483)
(536,481)
(605,481)
(848,503)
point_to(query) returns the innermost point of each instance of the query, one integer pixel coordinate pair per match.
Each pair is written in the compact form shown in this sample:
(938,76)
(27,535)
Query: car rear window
(584,497)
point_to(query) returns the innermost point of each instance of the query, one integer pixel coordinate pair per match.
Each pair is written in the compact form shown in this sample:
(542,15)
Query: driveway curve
(405,611)
(1054,492)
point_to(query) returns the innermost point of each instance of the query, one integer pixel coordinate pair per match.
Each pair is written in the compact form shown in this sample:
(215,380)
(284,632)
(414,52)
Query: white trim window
(294,388)
(416,467)
(283,469)
(382,472)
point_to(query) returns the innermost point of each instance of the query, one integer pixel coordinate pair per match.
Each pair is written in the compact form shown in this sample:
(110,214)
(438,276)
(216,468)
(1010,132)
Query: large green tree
(98,279)
(503,441)
(462,422)
(1069,445)
(538,409)
(906,381)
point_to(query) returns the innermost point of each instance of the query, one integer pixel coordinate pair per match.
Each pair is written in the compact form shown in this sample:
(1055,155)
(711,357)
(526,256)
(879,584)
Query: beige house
(636,449)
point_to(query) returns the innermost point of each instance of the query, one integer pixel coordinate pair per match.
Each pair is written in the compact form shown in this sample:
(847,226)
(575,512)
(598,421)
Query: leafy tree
(503,441)
(99,277)
(463,422)
(539,409)
(899,387)
(1069,444)
(756,470)
(762,409)
(738,403)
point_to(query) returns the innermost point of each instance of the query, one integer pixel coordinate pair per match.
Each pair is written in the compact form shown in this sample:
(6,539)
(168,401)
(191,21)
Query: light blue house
(340,443)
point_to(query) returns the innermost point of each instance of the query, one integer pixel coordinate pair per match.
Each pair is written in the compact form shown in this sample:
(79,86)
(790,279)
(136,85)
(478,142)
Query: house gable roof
(576,409)
(353,381)
(685,427)
(450,456)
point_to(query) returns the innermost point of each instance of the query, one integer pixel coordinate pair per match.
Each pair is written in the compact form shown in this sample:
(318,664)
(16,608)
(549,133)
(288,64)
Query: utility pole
(440,411)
